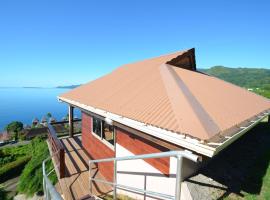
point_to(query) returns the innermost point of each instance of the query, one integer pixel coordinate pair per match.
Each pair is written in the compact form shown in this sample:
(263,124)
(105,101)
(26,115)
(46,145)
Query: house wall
(137,146)
(151,174)
(96,148)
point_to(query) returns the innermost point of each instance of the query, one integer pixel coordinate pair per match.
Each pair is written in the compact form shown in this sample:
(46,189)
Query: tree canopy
(14,126)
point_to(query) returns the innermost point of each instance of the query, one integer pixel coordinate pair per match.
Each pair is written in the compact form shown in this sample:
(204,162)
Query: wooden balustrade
(58,151)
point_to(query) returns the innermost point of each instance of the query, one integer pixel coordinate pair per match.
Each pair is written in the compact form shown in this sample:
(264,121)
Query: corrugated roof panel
(170,97)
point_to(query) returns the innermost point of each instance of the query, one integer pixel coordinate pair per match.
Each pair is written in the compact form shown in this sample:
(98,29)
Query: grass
(3,193)
(31,178)
(12,161)
(119,197)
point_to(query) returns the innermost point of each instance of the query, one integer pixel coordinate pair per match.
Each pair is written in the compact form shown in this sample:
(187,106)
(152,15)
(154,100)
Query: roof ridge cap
(171,79)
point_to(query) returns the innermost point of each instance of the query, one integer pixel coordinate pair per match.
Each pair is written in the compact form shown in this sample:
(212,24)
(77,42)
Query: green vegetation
(15,128)
(119,196)
(27,161)
(258,80)
(12,161)
(3,193)
(13,168)
(31,177)
(49,115)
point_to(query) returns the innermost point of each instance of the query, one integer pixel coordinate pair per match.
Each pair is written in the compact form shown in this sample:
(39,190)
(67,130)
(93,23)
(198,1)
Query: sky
(50,43)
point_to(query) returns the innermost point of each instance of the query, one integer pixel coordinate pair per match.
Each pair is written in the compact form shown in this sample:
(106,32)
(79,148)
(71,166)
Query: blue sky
(51,43)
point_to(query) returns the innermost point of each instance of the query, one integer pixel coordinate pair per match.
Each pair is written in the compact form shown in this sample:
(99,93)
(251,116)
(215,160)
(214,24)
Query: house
(4,137)
(159,105)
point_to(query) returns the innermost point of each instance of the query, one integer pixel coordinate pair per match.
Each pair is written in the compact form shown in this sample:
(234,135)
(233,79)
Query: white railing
(50,192)
(177,154)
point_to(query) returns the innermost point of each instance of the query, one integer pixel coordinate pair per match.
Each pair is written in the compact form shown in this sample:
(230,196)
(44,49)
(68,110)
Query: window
(103,131)
(97,126)
(108,133)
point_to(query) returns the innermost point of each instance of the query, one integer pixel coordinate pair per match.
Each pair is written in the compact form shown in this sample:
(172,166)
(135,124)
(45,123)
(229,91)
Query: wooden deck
(75,184)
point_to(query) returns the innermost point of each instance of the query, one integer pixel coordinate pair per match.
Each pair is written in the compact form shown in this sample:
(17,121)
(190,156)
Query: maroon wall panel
(96,148)
(138,145)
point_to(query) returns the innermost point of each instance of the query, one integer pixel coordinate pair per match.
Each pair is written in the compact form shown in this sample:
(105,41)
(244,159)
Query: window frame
(102,138)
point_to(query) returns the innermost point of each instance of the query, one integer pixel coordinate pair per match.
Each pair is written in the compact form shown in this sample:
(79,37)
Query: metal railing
(177,154)
(50,192)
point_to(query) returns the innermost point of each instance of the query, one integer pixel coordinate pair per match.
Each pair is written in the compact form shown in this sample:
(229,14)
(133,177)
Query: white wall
(140,174)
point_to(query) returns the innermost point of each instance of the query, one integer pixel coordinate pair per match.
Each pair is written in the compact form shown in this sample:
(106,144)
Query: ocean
(24,104)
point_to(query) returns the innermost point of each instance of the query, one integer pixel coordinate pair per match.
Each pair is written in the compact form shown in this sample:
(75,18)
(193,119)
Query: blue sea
(24,104)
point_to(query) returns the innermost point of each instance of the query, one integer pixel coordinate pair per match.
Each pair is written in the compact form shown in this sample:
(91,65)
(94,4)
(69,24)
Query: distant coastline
(68,86)
(36,87)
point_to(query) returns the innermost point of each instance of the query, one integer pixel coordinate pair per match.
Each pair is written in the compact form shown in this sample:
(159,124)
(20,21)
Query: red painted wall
(138,145)
(96,148)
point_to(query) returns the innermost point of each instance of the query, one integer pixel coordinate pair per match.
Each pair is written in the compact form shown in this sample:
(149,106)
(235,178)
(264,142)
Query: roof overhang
(193,144)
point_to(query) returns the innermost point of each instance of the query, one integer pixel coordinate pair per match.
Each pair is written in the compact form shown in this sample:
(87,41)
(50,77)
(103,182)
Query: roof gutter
(175,138)
(240,133)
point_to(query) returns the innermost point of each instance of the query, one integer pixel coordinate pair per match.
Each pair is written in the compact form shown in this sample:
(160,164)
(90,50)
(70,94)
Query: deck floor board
(75,185)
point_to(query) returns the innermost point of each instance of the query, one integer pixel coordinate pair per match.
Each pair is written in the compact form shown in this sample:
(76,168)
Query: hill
(254,79)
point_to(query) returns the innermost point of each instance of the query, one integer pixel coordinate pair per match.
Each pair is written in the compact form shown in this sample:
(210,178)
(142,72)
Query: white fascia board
(166,135)
(175,138)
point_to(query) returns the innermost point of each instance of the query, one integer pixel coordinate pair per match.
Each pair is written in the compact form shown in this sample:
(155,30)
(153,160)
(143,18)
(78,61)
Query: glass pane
(97,126)
(108,133)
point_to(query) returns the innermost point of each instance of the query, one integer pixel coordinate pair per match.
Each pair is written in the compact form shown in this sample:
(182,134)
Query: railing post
(115,180)
(70,120)
(178,180)
(90,177)
(62,163)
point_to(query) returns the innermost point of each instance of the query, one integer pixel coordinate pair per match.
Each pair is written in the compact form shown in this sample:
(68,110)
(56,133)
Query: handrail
(57,146)
(177,154)
(65,121)
(54,136)
(50,192)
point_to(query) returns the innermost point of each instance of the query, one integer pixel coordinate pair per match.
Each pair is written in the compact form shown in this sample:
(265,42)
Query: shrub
(13,168)
(31,178)
(3,193)
(4,159)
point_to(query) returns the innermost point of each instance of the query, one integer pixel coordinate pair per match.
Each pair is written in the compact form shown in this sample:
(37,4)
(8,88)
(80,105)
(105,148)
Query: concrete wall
(140,174)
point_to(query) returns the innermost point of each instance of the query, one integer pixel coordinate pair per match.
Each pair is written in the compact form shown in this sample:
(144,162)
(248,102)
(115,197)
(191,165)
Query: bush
(6,159)
(31,178)
(3,193)
(13,168)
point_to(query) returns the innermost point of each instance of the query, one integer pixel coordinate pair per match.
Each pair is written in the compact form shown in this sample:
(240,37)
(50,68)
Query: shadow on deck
(75,184)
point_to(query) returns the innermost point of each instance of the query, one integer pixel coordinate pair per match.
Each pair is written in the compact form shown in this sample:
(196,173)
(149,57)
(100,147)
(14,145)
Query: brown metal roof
(162,93)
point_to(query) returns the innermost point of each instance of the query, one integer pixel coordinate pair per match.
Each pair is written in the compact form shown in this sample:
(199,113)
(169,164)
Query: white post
(178,177)
(115,180)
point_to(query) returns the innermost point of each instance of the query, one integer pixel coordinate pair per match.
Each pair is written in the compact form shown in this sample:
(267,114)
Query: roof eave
(181,140)
(244,130)
(172,137)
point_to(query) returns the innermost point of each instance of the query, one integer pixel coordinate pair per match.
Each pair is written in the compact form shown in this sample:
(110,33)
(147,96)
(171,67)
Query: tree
(49,115)
(14,128)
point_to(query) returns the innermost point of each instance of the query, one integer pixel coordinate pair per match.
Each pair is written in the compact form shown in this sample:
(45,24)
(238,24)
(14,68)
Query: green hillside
(255,79)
